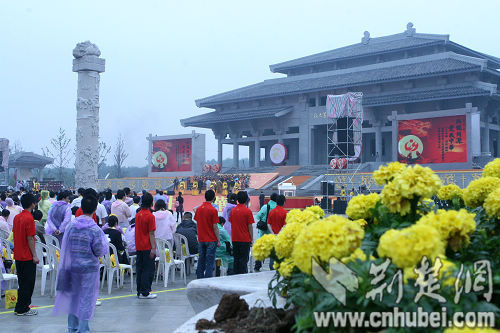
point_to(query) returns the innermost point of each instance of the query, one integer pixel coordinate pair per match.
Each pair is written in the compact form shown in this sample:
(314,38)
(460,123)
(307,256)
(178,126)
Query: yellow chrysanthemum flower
(392,199)
(286,238)
(444,271)
(492,204)
(360,205)
(492,169)
(385,174)
(449,192)
(335,236)
(407,246)
(301,216)
(286,267)
(263,247)
(417,181)
(479,189)
(357,254)
(316,210)
(454,226)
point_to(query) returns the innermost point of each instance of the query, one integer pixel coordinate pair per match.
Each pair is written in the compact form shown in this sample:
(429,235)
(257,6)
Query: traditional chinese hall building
(399,75)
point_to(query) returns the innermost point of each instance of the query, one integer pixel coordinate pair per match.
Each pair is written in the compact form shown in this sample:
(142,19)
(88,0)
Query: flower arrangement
(414,219)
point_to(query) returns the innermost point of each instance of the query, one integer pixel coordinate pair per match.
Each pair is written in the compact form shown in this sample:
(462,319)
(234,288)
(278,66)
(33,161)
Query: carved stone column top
(87,58)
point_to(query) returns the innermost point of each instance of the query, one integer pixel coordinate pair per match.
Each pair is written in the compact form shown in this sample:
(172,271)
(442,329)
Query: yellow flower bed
(492,204)
(360,205)
(454,226)
(263,247)
(492,169)
(385,174)
(334,236)
(407,246)
(479,189)
(301,216)
(286,238)
(449,192)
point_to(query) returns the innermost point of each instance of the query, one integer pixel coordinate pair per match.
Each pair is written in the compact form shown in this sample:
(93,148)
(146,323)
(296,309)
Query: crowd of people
(221,184)
(85,223)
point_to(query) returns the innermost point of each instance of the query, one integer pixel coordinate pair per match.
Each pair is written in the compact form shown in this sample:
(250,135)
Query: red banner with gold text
(172,155)
(432,140)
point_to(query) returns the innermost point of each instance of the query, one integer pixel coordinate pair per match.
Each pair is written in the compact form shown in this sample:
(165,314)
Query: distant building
(409,72)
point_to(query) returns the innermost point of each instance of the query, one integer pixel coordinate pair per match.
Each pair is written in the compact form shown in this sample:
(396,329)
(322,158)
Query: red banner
(172,155)
(432,140)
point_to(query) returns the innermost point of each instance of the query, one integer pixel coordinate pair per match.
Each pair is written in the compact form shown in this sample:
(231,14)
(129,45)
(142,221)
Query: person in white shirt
(77,202)
(133,207)
(101,214)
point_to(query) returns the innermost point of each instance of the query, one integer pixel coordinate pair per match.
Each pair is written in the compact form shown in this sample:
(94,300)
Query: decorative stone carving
(366,38)
(86,48)
(88,66)
(410,30)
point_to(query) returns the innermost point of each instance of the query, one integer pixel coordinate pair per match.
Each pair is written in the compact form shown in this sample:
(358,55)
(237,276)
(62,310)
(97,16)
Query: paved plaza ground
(121,311)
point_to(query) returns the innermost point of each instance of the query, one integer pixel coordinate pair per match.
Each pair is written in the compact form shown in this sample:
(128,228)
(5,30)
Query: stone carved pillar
(257,151)
(485,136)
(219,150)
(378,141)
(236,154)
(88,65)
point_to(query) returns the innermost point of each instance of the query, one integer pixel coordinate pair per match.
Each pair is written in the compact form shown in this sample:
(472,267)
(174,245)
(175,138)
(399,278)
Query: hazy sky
(162,55)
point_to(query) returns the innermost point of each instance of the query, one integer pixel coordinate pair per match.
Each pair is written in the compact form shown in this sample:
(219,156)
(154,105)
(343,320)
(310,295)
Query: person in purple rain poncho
(227,210)
(78,277)
(59,216)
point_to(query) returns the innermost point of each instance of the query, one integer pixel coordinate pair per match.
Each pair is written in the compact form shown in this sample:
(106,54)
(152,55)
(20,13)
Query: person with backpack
(262,225)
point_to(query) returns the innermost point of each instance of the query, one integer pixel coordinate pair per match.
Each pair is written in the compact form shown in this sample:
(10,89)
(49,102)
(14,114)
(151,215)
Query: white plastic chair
(53,277)
(165,267)
(251,262)
(4,234)
(46,264)
(9,278)
(123,268)
(49,239)
(223,270)
(6,246)
(109,271)
(180,240)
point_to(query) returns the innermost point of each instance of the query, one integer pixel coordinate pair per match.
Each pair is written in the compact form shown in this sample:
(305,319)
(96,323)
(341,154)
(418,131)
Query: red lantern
(216,168)
(206,168)
(333,163)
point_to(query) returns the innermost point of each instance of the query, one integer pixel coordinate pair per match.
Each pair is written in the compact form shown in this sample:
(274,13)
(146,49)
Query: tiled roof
(28,159)
(236,115)
(400,97)
(373,47)
(342,79)
(420,95)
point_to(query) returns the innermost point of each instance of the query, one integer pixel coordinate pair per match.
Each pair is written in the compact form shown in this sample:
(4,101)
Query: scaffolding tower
(344,143)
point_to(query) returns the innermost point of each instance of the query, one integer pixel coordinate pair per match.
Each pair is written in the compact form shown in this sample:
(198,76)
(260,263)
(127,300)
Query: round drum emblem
(278,153)
(410,147)
(159,159)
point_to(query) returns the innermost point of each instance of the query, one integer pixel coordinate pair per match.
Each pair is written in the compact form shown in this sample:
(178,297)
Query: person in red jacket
(277,217)
(25,254)
(207,218)
(242,233)
(145,245)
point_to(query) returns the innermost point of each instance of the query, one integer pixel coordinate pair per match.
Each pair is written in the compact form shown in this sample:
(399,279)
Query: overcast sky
(162,55)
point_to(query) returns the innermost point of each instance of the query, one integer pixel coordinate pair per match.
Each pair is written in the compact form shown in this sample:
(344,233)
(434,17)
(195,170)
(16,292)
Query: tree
(104,150)
(59,150)
(16,147)
(120,155)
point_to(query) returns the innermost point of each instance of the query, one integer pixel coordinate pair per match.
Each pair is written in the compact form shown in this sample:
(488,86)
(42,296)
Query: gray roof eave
(493,60)
(279,68)
(200,103)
